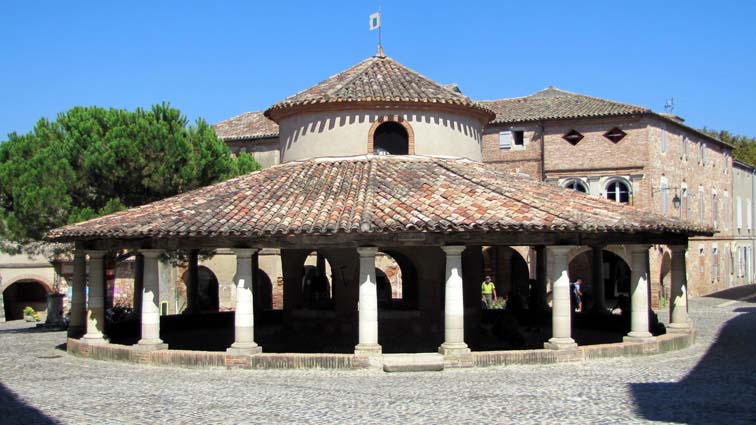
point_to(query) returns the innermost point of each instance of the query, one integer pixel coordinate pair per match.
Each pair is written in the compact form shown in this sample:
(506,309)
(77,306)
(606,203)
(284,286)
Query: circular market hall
(379,160)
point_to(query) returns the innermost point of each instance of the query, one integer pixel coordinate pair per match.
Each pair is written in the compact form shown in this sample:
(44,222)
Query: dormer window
(573,136)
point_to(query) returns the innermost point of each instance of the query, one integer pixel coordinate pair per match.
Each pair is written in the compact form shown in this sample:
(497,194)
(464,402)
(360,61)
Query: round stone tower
(379,107)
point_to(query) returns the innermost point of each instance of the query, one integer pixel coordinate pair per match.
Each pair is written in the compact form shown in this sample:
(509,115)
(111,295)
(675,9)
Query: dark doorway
(208,290)
(22,294)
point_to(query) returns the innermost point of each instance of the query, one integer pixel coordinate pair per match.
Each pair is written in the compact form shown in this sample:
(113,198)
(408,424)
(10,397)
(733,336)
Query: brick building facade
(629,154)
(625,152)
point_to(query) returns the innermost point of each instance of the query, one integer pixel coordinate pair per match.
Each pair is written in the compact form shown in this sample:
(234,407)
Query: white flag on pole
(375,21)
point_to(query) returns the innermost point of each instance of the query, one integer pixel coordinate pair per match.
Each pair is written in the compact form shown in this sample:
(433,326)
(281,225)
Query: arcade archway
(23,293)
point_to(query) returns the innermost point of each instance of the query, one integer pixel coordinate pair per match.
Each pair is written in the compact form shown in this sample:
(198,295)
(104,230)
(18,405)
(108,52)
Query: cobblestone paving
(712,382)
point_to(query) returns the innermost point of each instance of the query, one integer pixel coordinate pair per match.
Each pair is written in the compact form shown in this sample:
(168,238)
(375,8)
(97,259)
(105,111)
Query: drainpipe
(543,151)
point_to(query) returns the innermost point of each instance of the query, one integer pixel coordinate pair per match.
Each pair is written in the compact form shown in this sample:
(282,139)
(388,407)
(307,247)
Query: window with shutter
(739,212)
(505,139)
(749,214)
(664,189)
(664,139)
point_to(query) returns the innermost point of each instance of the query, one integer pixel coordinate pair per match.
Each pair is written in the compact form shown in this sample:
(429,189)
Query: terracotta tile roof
(377,79)
(553,103)
(371,194)
(249,125)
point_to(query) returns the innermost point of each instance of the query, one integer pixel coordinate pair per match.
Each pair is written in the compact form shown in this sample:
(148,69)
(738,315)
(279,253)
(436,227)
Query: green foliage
(93,161)
(245,163)
(745,147)
(29,311)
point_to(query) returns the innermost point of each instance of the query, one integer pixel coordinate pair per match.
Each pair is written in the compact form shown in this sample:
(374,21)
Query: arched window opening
(391,138)
(21,294)
(317,290)
(263,292)
(388,277)
(208,290)
(576,185)
(396,281)
(618,191)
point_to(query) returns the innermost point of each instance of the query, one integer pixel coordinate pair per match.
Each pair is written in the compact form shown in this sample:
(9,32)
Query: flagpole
(380,28)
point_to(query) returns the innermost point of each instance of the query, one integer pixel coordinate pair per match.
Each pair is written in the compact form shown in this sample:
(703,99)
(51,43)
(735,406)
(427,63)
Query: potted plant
(30,315)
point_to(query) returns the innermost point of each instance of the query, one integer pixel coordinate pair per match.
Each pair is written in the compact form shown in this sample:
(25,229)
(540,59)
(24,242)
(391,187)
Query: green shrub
(29,311)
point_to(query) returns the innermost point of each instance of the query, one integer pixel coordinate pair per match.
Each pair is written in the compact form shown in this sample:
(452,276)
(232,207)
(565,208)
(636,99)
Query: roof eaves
(249,137)
(689,128)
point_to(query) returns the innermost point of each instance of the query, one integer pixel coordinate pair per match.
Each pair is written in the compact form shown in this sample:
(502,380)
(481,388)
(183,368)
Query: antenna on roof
(669,106)
(375,23)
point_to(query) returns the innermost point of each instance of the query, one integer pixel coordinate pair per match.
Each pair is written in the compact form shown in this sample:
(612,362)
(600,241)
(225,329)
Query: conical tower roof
(378,79)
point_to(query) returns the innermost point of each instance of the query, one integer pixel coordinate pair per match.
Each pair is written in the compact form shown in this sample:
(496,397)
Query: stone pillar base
(96,339)
(369,350)
(560,344)
(679,328)
(76,331)
(243,348)
(150,345)
(639,337)
(453,349)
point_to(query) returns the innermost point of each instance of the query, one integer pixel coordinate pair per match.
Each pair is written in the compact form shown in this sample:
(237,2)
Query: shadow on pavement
(736,293)
(13,410)
(721,388)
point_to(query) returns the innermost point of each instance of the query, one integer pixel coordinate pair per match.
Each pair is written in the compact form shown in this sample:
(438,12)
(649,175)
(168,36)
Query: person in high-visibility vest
(488,290)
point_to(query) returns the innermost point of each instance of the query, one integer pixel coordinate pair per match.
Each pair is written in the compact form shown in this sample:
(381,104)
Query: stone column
(504,283)
(151,302)
(244,317)
(96,304)
(540,303)
(78,322)
(454,306)
(639,295)
(599,297)
(561,311)
(678,306)
(138,283)
(367,305)
(192,283)
(2,307)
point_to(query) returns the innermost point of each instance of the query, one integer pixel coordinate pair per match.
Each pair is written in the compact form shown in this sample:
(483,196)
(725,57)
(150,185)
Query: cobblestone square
(712,382)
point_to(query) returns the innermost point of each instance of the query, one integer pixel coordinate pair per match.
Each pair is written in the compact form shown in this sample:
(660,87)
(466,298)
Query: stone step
(420,362)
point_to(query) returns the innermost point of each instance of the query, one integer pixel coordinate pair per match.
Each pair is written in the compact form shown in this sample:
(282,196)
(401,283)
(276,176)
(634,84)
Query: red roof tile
(249,125)
(378,79)
(372,195)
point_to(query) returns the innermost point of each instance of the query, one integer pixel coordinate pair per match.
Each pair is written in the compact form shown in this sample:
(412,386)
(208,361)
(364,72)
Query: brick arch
(399,120)
(28,277)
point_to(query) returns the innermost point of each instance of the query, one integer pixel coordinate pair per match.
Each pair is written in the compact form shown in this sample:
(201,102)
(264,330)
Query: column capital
(679,249)
(367,251)
(638,247)
(151,253)
(453,249)
(245,252)
(560,249)
(80,253)
(98,253)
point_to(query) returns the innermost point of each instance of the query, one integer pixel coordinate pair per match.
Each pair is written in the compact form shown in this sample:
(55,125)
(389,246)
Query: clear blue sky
(218,59)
